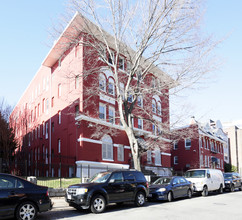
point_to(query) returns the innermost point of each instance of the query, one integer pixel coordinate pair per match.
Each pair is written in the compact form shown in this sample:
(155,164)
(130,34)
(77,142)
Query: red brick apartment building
(56,120)
(199,146)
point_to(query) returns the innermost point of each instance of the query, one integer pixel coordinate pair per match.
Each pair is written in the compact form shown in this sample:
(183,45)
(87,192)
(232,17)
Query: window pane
(102,110)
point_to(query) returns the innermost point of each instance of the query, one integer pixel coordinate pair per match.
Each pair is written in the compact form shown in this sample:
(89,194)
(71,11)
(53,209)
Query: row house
(199,146)
(68,125)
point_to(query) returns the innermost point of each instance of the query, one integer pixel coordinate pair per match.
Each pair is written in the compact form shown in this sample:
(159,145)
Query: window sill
(111,160)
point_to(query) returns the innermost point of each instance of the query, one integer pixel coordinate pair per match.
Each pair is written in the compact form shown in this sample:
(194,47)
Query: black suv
(109,187)
(232,181)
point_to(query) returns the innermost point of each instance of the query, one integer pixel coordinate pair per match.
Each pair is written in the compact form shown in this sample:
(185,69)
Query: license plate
(68,196)
(150,195)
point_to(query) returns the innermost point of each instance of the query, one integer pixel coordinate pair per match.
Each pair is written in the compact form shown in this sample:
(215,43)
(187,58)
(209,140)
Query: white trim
(166,154)
(102,122)
(102,164)
(204,134)
(107,99)
(98,121)
(98,142)
(157,118)
(89,140)
(111,160)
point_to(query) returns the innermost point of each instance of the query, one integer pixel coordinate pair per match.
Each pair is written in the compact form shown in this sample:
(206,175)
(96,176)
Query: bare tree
(162,44)
(7,142)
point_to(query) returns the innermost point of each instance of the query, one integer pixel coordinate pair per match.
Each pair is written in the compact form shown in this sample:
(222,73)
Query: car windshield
(228,175)
(100,177)
(163,181)
(195,174)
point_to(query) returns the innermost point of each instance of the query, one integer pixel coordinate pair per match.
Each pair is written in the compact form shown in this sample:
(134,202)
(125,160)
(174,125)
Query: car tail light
(47,192)
(147,184)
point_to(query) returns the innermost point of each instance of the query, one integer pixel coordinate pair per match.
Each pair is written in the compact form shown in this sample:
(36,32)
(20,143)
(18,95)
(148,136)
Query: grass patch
(53,182)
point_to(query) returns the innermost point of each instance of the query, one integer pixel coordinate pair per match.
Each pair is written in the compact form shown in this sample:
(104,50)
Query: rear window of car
(139,176)
(7,182)
(129,176)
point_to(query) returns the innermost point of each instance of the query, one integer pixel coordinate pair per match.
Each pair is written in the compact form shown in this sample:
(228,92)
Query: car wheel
(26,211)
(205,191)
(240,188)
(232,188)
(221,189)
(140,199)
(189,193)
(98,204)
(170,196)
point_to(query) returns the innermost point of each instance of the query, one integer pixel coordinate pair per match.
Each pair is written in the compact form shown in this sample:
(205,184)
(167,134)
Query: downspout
(50,128)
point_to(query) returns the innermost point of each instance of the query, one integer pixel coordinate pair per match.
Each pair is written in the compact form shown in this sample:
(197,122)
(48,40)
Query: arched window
(153,106)
(159,108)
(102,82)
(107,148)
(111,90)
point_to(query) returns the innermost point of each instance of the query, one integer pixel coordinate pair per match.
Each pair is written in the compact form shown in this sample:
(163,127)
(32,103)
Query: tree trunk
(134,148)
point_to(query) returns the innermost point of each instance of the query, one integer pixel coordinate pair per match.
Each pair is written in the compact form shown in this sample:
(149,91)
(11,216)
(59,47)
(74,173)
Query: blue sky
(25,42)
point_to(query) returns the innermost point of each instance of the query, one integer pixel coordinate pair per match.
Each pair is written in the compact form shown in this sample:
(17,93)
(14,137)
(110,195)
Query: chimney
(192,120)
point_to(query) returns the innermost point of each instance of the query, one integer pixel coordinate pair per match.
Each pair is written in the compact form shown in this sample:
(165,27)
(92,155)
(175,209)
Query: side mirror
(208,175)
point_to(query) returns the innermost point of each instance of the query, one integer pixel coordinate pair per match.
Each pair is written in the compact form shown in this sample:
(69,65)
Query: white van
(206,180)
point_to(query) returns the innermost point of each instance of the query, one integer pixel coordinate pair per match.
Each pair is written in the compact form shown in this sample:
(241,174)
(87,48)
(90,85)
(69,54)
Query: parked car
(22,199)
(206,180)
(108,187)
(232,181)
(169,188)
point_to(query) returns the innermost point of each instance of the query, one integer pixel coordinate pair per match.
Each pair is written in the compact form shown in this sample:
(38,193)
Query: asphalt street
(215,206)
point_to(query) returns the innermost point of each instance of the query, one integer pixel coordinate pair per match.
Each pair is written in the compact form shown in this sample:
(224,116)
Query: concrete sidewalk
(60,203)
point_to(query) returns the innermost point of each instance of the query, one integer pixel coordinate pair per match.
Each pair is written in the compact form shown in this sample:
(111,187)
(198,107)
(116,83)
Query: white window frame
(186,141)
(157,157)
(201,160)
(46,155)
(130,97)
(140,101)
(111,56)
(59,90)
(174,145)
(159,108)
(140,123)
(212,145)
(46,130)
(153,106)
(102,82)
(120,152)
(149,156)
(121,63)
(107,148)
(175,160)
(59,117)
(153,129)
(59,145)
(111,87)
(104,113)
(110,116)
